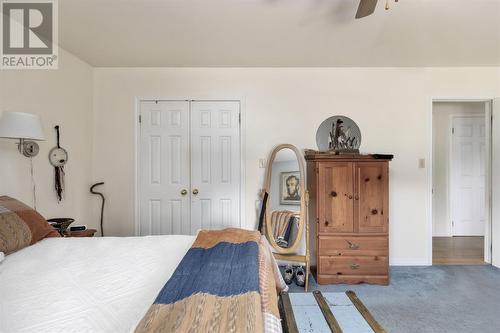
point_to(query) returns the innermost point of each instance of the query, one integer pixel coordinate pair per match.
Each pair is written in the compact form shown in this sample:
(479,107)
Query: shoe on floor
(288,274)
(300,276)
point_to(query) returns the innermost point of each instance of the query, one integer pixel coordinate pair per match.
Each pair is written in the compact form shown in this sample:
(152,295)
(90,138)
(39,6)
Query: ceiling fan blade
(365,8)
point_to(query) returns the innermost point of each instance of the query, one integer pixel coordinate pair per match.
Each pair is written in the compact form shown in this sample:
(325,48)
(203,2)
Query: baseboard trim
(409,262)
(443,235)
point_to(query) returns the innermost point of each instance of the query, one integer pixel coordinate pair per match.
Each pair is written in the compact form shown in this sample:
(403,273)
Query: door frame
(488,101)
(137,137)
(451,175)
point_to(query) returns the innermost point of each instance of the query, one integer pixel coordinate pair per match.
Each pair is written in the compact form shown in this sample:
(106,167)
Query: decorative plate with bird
(338,133)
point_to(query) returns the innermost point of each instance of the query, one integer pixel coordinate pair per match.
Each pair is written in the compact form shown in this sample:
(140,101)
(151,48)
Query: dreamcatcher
(58,157)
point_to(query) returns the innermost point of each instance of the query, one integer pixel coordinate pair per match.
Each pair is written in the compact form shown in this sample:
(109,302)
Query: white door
(468,172)
(495,183)
(189,166)
(164,201)
(215,165)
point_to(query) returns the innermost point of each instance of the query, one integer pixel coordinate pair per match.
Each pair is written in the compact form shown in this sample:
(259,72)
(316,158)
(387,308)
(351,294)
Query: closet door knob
(195,191)
(356,197)
(333,194)
(326,223)
(184,192)
(350,196)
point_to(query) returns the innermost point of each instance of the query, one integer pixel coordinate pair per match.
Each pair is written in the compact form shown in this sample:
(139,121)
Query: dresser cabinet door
(371,196)
(335,196)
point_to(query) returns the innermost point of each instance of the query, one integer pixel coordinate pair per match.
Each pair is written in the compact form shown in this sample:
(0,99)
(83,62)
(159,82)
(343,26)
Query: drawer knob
(374,212)
(333,194)
(353,246)
(356,197)
(350,196)
(354,266)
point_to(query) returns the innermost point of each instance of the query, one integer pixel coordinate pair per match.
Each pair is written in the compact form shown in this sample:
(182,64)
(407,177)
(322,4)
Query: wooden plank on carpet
(290,326)
(325,309)
(364,312)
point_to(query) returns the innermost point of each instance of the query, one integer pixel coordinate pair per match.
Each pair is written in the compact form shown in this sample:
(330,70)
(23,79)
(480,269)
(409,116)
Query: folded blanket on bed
(227,282)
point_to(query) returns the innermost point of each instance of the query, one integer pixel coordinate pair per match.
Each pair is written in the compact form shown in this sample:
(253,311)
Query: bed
(86,284)
(219,281)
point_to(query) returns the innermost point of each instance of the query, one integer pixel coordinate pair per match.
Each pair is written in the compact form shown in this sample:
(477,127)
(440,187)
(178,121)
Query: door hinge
(452,223)
(140,119)
(453,130)
(239,118)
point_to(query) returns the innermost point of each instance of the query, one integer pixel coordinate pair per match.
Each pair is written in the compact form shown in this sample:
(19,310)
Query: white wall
(392,106)
(95,108)
(441,127)
(62,97)
(495,209)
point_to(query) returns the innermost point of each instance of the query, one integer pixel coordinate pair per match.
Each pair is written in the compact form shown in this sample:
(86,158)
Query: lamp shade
(20,125)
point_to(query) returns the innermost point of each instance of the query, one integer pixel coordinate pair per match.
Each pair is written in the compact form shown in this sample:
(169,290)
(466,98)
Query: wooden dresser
(349,209)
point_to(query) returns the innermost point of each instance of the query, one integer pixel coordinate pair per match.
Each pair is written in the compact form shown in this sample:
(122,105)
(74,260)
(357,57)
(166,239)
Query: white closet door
(215,165)
(469,174)
(164,168)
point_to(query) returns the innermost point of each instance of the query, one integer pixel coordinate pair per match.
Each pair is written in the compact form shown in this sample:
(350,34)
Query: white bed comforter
(86,284)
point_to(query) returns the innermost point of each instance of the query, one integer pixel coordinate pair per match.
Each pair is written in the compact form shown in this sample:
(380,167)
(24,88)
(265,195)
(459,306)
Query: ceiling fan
(367,7)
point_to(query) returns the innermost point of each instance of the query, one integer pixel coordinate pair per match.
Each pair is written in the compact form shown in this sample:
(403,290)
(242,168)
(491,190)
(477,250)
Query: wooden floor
(458,250)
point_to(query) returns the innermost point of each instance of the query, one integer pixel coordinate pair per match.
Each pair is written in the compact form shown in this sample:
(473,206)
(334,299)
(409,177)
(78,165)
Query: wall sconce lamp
(25,127)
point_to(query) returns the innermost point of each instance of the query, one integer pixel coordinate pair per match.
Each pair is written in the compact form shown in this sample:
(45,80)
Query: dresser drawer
(353,265)
(353,246)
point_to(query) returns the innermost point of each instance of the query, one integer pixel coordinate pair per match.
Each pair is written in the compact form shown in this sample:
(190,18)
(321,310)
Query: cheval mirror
(286,209)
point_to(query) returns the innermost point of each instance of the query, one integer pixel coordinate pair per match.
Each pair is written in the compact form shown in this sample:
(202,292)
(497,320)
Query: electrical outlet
(262,163)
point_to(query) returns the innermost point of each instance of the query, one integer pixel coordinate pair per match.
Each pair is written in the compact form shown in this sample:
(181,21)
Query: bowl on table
(61,224)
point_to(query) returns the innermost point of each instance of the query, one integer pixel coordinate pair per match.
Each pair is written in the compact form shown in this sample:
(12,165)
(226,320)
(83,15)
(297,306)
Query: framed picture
(290,188)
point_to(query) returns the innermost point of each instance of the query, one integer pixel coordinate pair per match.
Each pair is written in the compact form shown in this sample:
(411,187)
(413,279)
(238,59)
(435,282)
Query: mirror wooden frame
(289,254)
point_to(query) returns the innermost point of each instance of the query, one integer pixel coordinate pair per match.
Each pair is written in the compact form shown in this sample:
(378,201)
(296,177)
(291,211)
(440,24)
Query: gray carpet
(431,299)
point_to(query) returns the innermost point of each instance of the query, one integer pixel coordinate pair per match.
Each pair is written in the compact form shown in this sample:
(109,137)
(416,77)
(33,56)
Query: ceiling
(280,33)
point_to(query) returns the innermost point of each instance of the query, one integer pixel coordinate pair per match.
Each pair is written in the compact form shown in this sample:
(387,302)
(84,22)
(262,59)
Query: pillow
(21,226)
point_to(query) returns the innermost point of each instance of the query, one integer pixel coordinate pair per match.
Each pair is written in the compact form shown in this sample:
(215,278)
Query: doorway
(188,166)
(461,145)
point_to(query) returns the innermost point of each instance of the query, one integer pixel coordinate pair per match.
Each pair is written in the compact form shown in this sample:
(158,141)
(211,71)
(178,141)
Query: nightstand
(83,233)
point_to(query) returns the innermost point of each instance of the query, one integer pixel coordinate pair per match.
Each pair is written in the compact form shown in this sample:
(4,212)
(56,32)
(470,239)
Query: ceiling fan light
(365,8)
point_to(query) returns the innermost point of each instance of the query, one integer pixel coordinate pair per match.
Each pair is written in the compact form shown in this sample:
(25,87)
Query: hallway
(458,250)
